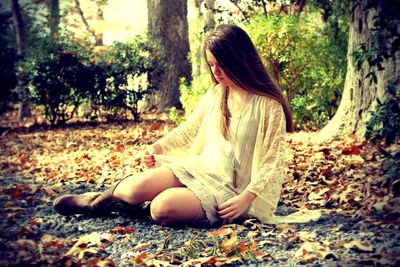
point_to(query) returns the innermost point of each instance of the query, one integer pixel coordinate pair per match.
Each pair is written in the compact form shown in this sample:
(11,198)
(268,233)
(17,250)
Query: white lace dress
(202,159)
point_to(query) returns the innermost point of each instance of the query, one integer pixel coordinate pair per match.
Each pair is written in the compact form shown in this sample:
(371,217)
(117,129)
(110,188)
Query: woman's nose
(217,70)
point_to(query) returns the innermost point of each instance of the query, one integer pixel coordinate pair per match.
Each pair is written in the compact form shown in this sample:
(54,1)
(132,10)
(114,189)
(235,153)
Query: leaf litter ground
(343,179)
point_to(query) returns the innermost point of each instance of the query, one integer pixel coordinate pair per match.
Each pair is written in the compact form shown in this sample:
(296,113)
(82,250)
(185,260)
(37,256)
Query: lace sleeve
(184,134)
(270,175)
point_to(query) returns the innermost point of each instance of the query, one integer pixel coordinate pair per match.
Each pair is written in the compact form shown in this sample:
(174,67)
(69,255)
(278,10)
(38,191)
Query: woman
(233,146)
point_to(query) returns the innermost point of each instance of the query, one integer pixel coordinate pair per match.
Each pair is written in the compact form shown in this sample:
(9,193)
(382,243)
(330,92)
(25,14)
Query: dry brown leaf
(222,231)
(90,240)
(359,246)
(139,259)
(311,251)
(302,166)
(285,228)
(228,244)
(141,246)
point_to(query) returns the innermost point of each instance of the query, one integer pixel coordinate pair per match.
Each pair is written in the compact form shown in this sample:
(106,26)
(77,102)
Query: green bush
(56,77)
(62,74)
(124,63)
(307,63)
(191,94)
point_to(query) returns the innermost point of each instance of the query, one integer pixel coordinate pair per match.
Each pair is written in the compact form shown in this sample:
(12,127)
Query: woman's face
(217,71)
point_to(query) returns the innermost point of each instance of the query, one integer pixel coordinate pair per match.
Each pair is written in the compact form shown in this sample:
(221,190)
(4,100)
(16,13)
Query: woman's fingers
(226,210)
(149,161)
(148,157)
(229,216)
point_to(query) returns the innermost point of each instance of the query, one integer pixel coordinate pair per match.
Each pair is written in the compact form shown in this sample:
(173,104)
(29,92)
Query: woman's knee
(175,206)
(135,189)
(162,210)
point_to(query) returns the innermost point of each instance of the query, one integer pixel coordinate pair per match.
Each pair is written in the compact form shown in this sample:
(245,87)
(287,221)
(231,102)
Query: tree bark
(100,19)
(54,17)
(209,21)
(167,22)
(24,109)
(360,94)
(206,23)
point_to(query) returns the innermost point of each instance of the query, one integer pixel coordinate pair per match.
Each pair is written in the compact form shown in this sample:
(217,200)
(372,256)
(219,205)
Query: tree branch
(88,28)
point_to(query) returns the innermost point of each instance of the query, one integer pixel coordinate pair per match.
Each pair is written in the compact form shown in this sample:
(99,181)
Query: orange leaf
(139,258)
(228,244)
(222,231)
(352,150)
(210,260)
(123,230)
(119,148)
(141,246)
(242,246)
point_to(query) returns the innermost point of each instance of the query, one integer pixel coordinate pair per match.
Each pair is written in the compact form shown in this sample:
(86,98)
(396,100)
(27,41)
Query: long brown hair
(238,57)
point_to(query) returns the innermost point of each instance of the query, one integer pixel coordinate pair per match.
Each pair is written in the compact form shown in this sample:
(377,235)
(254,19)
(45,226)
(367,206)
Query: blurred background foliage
(64,74)
(305,51)
(303,46)
(306,61)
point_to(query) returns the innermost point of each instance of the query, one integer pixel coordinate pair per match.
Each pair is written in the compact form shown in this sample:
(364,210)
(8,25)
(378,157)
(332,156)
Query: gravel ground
(27,214)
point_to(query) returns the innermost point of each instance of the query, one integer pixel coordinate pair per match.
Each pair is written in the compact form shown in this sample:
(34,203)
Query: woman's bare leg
(176,205)
(146,185)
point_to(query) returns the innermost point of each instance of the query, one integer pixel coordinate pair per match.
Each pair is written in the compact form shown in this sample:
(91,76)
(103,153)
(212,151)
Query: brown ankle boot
(92,203)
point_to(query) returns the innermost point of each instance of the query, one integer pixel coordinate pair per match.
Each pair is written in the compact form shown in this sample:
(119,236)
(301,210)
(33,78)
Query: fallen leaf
(351,150)
(302,166)
(228,244)
(139,259)
(222,231)
(123,230)
(210,260)
(141,246)
(359,246)
(285,228)
(93,239)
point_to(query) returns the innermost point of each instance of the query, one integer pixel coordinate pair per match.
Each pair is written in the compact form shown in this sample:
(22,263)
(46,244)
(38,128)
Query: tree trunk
(209,22)
(195,46)
(167,22)
(54,17)
(205,23)
(100,19)
(360,94)
(21,37)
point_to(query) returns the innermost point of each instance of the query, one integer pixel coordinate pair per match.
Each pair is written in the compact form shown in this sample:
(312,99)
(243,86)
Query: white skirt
(209,183)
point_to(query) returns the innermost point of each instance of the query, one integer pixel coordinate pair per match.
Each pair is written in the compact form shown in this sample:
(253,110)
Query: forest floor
(343,180)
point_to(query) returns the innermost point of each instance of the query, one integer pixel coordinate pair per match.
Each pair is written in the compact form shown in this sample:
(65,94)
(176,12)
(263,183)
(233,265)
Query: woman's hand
(236,206)
(148,158)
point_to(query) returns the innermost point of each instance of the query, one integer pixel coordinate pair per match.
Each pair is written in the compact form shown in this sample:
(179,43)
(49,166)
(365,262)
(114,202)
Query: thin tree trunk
(21,37)
(196,45)
(100,18)
(54,17)
(209,21)
(360,94)
(206,24)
